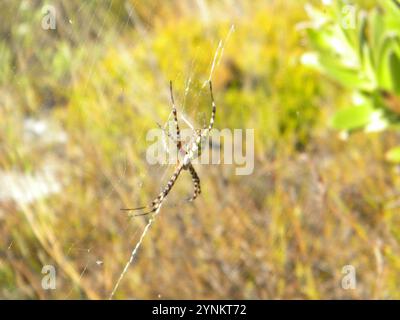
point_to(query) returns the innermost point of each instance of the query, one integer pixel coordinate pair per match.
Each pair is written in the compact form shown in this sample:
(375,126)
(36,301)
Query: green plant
(360,49)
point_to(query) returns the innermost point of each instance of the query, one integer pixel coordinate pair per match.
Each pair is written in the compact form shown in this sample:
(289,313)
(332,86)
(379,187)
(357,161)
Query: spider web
(92,261)
(216,60)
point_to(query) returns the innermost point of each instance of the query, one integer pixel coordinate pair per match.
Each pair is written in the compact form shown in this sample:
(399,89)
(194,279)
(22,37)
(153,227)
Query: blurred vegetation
(361,50)
(314,203)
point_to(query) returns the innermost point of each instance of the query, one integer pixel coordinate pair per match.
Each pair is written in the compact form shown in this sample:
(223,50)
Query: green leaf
(353,117)
(349,77)
(377,31)
(368,67)
(362,32)
(392,10)
(393,155)
(394,62)
(385,49)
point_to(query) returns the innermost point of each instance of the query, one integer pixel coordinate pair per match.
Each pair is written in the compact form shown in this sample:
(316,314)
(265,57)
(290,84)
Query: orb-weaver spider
(193,151)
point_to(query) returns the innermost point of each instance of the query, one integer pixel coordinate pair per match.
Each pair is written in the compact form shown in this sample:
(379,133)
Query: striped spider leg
(189,153)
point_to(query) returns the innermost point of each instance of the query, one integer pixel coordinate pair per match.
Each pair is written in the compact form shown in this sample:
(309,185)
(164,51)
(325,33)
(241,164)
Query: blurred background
(76,103)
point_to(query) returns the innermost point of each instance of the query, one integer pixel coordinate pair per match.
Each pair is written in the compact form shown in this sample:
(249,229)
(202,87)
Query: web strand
(134,251)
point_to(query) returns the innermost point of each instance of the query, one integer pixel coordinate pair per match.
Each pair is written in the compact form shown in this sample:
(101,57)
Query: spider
(190,153)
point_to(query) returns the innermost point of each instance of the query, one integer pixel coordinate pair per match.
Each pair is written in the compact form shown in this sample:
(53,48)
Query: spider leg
(214,109)
(206,131)
(140,208)
(156,203)
(196,182)
(178,132)
(171,137)
(167,133)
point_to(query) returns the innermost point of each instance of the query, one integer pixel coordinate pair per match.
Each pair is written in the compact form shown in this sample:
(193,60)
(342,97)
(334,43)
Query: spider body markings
(193,151)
